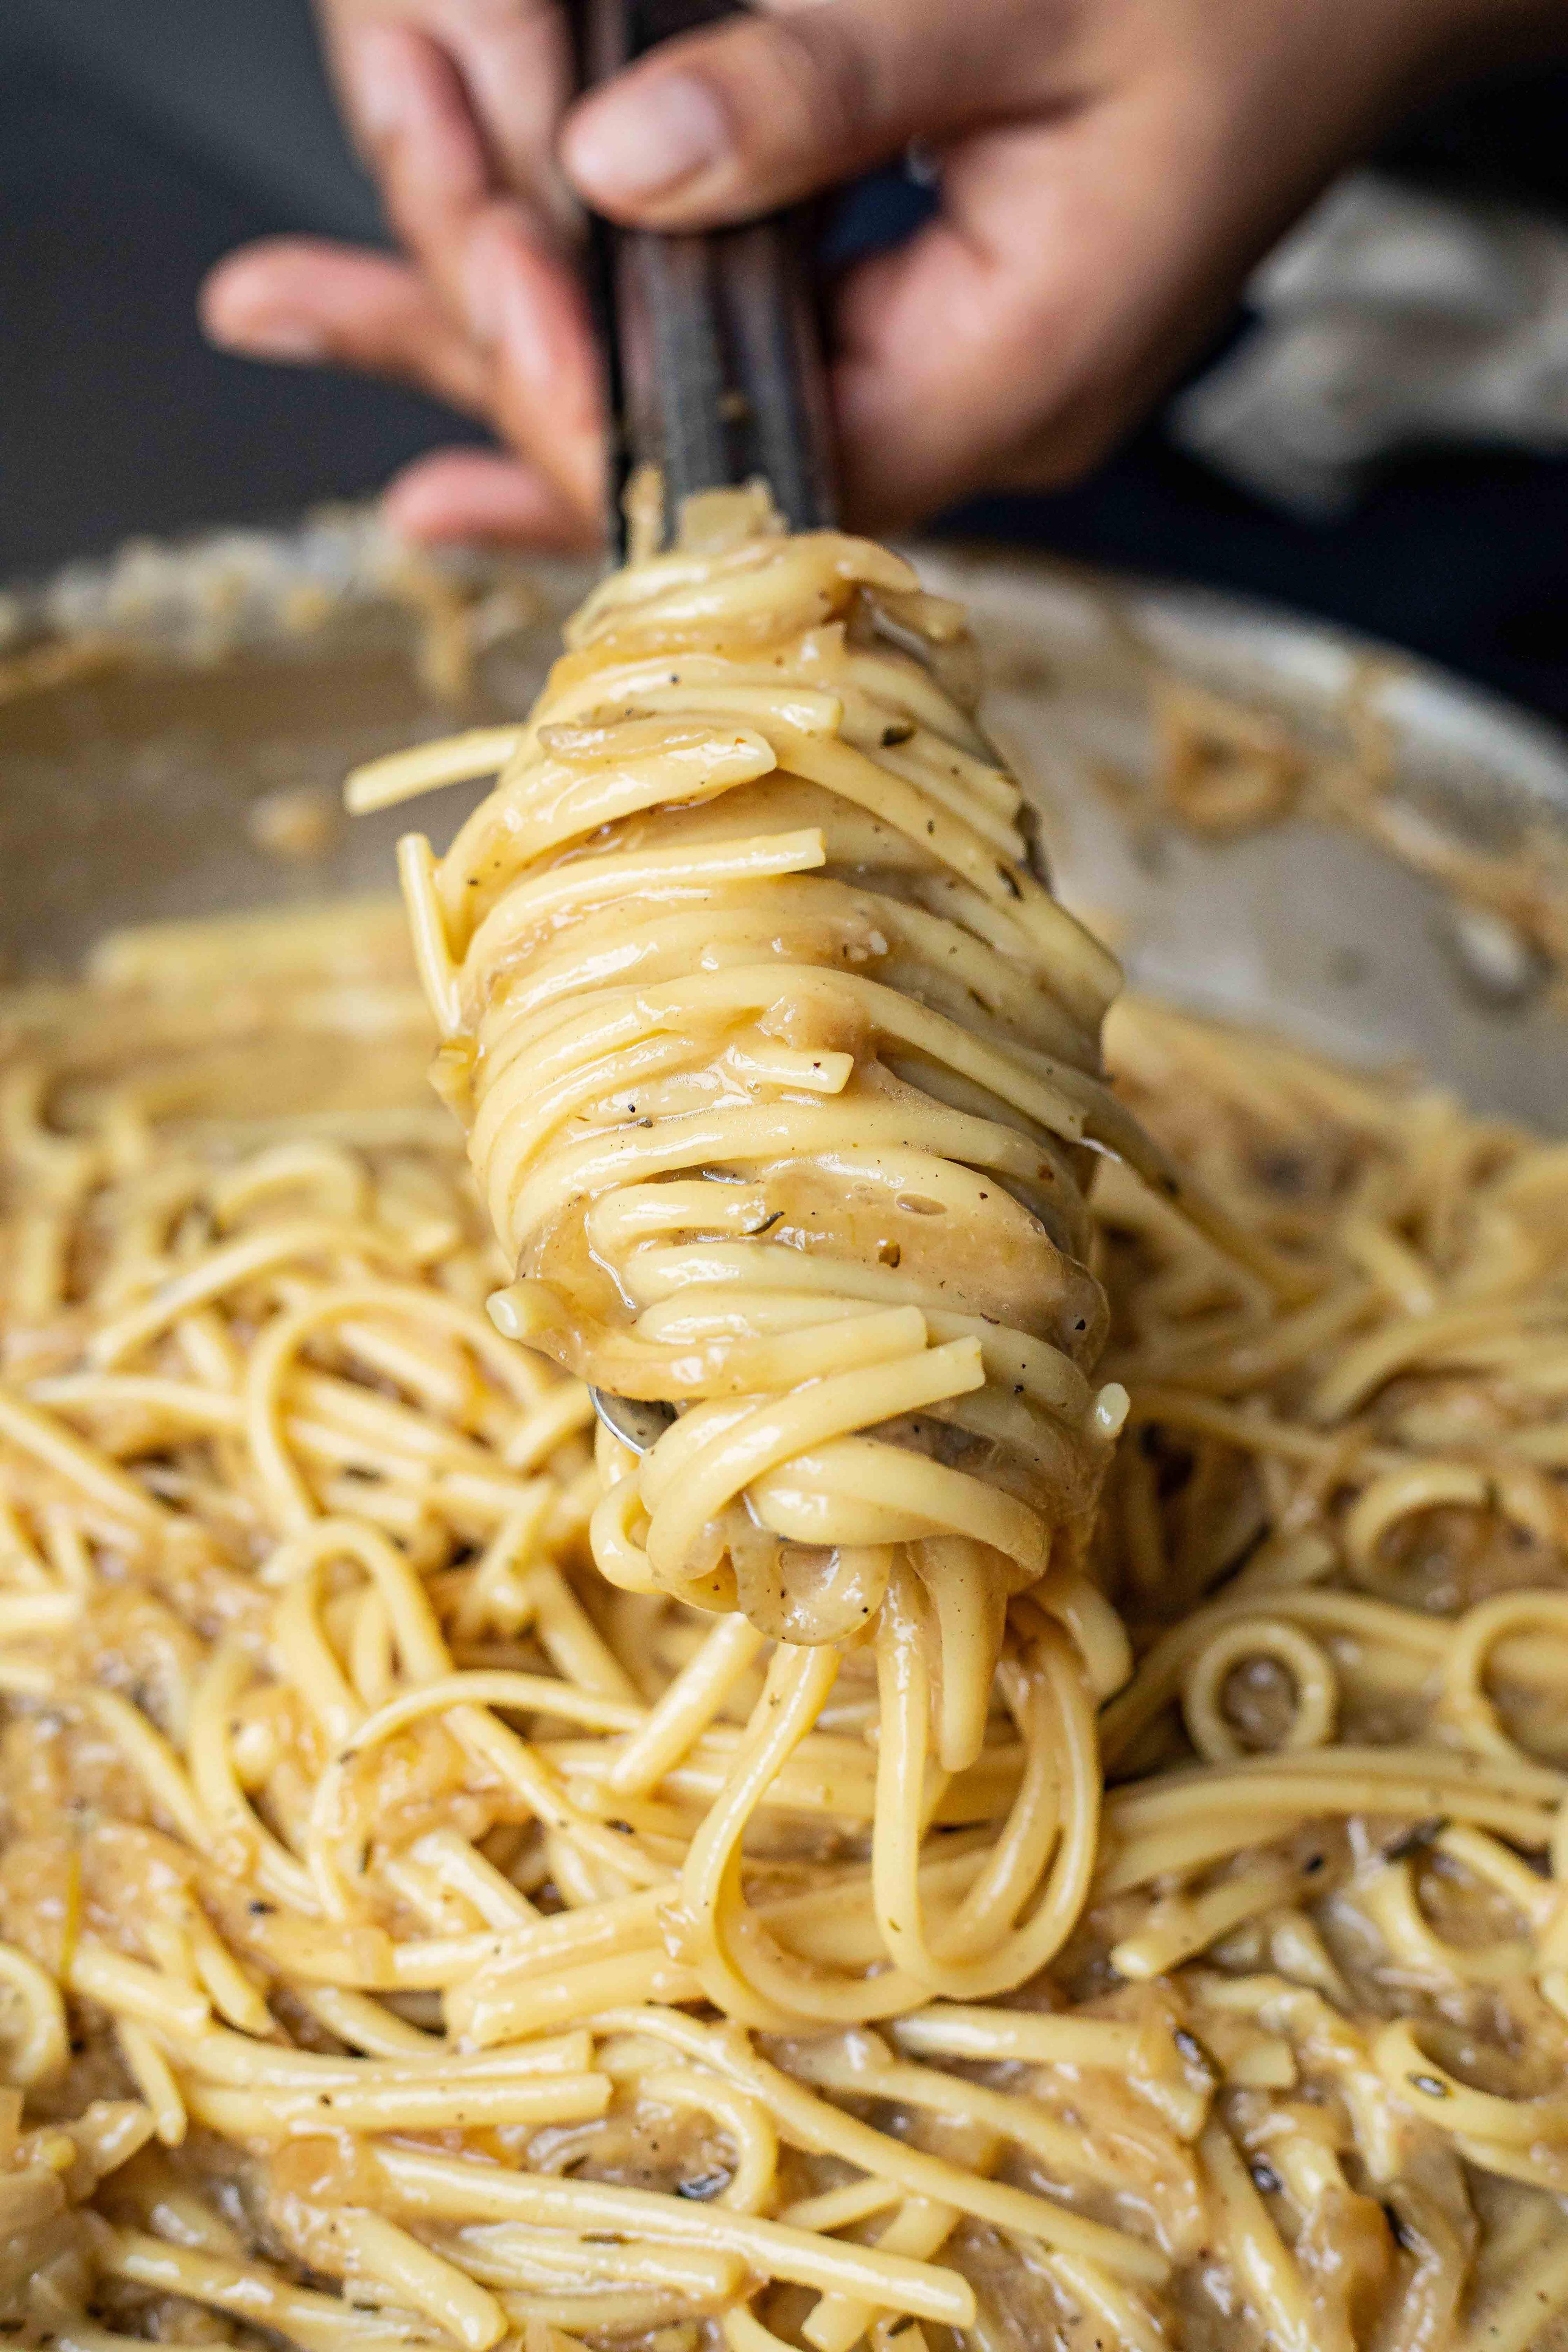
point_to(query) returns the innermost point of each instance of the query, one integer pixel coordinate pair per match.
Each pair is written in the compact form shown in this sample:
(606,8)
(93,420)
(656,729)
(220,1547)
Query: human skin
(1109,172)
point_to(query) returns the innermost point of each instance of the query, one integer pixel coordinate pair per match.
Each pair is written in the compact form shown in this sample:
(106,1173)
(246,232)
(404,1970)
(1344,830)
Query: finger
(304,300)
(546,395)
(516,60)
(1067,291)
(412,120)
(726,124)
(479,249)
(475,494)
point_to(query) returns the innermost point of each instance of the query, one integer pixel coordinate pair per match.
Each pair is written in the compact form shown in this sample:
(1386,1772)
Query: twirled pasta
(781,1071)
(409,1937)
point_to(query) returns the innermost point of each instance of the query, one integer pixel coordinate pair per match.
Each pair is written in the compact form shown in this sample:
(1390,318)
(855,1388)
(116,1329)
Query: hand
(1110,171)
(455,106)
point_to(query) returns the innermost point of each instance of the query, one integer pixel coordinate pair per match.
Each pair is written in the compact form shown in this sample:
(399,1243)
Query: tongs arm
(712,345)
(714,371)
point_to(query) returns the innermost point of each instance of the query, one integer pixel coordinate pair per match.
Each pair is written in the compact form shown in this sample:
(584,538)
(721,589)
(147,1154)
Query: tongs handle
(712,342)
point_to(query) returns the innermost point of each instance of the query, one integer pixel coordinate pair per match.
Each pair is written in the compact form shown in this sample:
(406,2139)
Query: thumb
(723,125)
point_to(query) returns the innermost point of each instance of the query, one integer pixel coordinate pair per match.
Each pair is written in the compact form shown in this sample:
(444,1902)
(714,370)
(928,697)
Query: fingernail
(293,340)
(375,67)
(641,142)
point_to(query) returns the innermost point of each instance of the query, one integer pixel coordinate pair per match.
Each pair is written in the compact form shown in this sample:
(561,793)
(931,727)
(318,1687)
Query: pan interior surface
(175,724)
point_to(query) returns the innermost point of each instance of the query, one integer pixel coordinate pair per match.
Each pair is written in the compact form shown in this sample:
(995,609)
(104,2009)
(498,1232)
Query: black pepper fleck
(1397,2231)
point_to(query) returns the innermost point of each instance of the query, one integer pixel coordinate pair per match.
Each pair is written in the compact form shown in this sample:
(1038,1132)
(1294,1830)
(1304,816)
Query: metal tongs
(713,352)
(713,361)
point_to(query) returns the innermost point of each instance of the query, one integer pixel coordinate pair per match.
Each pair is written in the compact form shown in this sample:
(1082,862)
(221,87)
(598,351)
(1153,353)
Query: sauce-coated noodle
(409,1933)
(781,1071)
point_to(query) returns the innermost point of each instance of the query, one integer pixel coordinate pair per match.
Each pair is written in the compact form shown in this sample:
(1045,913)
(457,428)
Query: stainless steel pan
(237,675)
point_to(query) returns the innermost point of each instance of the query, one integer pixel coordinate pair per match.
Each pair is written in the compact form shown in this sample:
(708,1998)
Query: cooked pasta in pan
(899,1863)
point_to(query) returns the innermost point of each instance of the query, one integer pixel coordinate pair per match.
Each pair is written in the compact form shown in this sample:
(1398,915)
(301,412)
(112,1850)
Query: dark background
(142,139)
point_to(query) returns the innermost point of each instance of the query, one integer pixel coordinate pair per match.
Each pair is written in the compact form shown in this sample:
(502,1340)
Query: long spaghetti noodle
(409,1933)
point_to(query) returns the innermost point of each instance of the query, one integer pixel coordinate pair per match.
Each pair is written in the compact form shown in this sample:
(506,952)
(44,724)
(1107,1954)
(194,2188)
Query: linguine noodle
(904,1900)
(780,1067)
